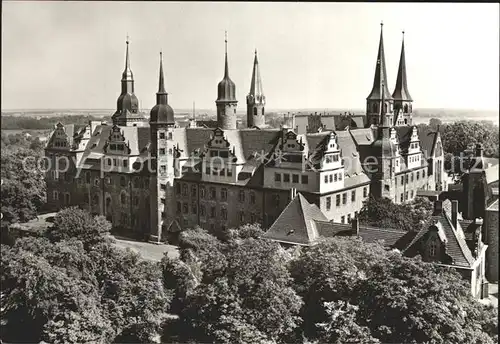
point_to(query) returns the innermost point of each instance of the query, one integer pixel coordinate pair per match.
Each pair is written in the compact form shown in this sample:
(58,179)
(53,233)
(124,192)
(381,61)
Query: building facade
(149,176)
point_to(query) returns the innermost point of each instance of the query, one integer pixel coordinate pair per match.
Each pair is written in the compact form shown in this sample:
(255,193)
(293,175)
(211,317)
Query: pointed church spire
(380,77)
(161,86)
(161,95)
(401,89)
(127,73)
(256,85)
(226,68)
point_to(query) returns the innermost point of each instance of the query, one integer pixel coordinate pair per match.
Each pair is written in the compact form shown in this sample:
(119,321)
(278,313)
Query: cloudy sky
(312,55)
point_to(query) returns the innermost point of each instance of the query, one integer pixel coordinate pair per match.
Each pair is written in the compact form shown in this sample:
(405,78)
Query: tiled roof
(427,139)
(455,243)
(296,224)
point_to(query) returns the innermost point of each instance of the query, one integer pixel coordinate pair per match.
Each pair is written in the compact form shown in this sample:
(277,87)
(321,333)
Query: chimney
(454,213)
(479,150)
(355,226)
(438,207)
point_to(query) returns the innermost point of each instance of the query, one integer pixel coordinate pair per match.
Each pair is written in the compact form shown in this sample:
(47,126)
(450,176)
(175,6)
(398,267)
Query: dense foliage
(23,188)
(410,216)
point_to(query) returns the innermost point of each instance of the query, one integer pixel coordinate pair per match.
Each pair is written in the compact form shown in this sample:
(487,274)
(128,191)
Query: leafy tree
(435,122)
(386,214)
(409,301)
(342,326)
(462,135)
(77,223)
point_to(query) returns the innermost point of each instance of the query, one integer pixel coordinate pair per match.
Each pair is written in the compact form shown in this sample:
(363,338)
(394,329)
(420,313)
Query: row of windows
(212,193)
(404,197)
(295,178)
(219,153)
(60,144)
(212,213)
(349,217)
(334,177)
(162,135)
(123,200)
(117,147)
(414,158)
(413,145)
(344,198)
(117,162)
(64,197)
(162,151)
(223,172)
(137,182)
(331,158)
(404,179)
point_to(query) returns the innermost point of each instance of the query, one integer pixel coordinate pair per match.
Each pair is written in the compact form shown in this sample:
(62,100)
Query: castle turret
(162,124)
(127,105)
(226,99)
(256,101)
(402,99)
(379,102)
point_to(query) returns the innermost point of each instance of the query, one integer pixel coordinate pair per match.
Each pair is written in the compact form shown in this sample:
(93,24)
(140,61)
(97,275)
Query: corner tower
(226,99)
(402,99)
(127,106)
(379,102)
(256,101)
(162,124)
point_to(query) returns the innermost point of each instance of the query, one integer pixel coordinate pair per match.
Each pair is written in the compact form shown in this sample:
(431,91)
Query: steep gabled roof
(296,224)
(427,139)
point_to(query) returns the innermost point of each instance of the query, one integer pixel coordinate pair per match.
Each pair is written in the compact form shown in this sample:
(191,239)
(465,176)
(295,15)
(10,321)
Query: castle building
(149,176)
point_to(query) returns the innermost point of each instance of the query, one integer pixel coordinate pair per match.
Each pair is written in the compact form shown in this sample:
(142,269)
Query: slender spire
(161,85)
(127,73)
(401,89)
(161,95)
(256,85)
(226,68)
(380,77)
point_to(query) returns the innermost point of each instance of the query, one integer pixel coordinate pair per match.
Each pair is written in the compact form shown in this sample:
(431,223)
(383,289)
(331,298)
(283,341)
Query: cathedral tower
(402,98)
(379,102)
(256,101)
(226,99)
(127,105)
(162,200)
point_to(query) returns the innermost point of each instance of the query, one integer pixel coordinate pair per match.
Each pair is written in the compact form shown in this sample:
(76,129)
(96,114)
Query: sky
(59,55)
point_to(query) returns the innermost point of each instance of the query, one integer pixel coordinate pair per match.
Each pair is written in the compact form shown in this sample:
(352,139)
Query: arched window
(406,108)
(385,107)
(255,111)
(262,111)
(95,199)
(375,108)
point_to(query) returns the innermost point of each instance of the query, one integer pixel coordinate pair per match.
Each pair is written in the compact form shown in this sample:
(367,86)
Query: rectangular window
(202,192)
(344,198)
(418,175)
(337,200)
(163,200)
(412,177)
(215,171)
(163,169)
(242,216)
(305,179)
(252,218)
(402,180)
(162,135)
(406,195)
(223,194)
(340,176)
(331,178)
(163,186)
(214,153)
(252,197)
(402,198)
(411,194)
(342,219)
(328,203)
(125,163)
(212,212)
(170,136)
(406,179)
(207,170)
(295,178)
(423,174)
(335,177)
(194,208)
(224,154)
(365,192)
(241,196)
(213,195)
(202,210)
(286,178)
(177,188)
(162,151)
(277,177)
(193,190)
(326,178)
(184,189)
(348,218)
(229,171)
(223,213)
(185,208)
(353,196)
(179,207)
